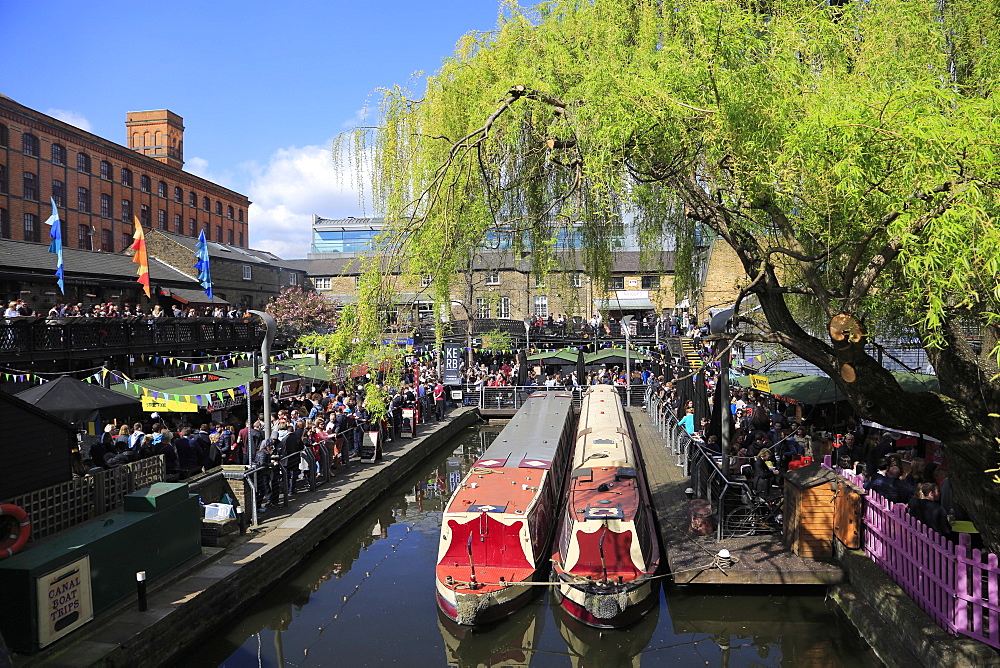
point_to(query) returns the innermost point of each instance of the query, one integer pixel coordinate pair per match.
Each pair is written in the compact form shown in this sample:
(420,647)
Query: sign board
(161,405)
(371,447)
(289,388)
(456,395)
(452,364)
(64,600)
(760,383)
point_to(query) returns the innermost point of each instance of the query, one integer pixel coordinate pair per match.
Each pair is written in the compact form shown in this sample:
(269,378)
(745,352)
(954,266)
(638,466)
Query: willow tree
(846,151)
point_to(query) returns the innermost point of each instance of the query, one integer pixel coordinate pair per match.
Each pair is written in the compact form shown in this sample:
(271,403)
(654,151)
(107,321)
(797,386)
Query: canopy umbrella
(522,369)
(613,356)
(581,368)
(79,402)
(700,398)
(685,388)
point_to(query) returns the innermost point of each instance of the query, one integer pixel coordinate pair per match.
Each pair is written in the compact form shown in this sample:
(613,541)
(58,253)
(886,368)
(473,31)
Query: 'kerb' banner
(452,363)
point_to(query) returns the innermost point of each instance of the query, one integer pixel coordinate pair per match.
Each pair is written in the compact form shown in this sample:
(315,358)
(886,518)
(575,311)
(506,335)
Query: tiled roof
(227,251)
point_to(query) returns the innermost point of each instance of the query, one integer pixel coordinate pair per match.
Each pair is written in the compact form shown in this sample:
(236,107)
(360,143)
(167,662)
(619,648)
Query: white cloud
(295,183)
(71,117)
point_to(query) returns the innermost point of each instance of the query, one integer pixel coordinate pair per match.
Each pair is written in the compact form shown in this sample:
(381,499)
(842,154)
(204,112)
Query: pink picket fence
(957,586)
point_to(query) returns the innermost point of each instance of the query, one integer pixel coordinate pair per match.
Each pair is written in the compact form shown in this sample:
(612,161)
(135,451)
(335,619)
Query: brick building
(100,186)
(244,277)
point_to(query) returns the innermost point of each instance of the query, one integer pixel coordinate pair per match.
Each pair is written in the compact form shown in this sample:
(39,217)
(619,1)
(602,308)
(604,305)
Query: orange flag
(140,258)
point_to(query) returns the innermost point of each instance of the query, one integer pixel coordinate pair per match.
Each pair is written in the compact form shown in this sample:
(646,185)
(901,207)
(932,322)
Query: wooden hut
(37,452)
(809,511)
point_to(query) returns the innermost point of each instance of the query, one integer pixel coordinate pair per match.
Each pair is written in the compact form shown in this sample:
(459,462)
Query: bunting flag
(56,246)
(140,258)
(202,265)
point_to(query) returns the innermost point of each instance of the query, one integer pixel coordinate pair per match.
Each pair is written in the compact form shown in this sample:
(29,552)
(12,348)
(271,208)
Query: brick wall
(723,279)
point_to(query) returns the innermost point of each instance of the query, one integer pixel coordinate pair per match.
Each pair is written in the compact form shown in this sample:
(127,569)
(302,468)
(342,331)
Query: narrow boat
(607,551)
(497,528)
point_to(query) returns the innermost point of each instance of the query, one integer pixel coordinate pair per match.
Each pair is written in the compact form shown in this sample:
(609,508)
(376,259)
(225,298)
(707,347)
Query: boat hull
(470,608)
(621,606)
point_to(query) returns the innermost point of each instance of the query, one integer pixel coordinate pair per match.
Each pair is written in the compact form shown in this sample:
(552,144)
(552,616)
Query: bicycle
(757,515)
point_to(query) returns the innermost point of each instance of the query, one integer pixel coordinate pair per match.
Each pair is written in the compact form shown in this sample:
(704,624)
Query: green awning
(811,390)
(772,377)
(613,356)
(567,355)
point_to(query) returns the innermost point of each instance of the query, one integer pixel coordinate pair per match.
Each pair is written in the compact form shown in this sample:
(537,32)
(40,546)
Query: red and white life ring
(13,543)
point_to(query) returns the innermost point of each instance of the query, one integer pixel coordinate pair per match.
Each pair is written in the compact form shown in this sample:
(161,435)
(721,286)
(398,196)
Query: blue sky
(263,87)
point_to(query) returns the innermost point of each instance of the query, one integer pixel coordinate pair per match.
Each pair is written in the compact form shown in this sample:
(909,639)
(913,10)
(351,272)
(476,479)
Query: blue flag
(56,246)
(204,271)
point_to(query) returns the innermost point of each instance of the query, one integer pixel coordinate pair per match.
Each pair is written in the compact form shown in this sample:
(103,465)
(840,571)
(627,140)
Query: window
(218,208)
(539,281)
(206,204)
(178,224)
(30,186)
(247,273)
(58,192)
(241,215)
(229,212)
(58,154)
(192,226)
(126,177)
(83,237)
(145,217)
(4,135)
(192,199)
(126,210)
(650,282)
(616,283)
(425,280)
(107,172)
(493,277)
(503,307)
(107,244)
(218,234)
(3,178)
(541,306)
(4,224)
(144,183)
(83,163)
(161,219)
(126,240)
(105,205)
(322,283)
(29,144)
(293,278)
(576,279)
(30,227)
(178,194)
(161,189)
(241,240)
(482,308)
(83,200)
(230,235)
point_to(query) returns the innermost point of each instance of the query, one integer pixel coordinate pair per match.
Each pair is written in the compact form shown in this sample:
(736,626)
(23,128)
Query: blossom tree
(299,312)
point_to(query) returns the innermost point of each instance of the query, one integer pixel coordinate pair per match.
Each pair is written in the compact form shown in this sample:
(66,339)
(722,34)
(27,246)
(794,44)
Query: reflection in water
(366,598)
(591,647)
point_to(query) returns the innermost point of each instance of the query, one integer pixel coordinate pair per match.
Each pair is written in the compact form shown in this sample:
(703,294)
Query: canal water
(366,598)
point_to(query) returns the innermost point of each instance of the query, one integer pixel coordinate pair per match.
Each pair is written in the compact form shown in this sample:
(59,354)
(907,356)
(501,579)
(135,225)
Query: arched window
(229,213)
(29,144)
(161,189)
(192,198)
(218,208)
(126,177)
(206,204)
(178,194)
(58,154)
(144,183)
(4,139)
(106,170)
(83,162)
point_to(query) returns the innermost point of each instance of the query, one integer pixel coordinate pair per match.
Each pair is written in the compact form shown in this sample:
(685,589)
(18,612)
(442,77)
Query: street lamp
(527,334)
(626,322)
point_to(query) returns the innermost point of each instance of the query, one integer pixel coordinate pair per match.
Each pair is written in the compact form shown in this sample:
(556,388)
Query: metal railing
(67,504)
(708,481)
(36,336)
(511,397)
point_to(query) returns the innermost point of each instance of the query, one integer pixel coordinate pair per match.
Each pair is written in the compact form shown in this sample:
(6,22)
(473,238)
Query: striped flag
(56,246)
(202,265)
(140,258)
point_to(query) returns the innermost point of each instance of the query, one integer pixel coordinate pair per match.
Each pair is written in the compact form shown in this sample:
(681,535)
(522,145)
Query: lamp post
(527,334)
(265,355)
(719,324)
(626,331)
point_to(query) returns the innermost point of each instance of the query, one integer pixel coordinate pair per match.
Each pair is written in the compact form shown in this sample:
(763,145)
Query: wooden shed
(809,511)
(38,450)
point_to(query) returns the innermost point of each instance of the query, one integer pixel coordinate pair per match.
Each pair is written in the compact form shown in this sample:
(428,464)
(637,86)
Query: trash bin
(700,515)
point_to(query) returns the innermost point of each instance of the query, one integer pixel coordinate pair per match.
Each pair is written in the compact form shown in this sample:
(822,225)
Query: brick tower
(158,134)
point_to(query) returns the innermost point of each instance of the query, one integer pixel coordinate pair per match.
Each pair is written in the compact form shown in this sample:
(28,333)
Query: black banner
(452,361)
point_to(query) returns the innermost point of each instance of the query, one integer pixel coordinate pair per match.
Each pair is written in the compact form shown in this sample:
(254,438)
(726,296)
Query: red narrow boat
(607,550)
(497,528)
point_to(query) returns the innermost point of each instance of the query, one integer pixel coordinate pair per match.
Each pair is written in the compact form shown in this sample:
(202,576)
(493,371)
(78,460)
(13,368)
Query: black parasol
(79,402)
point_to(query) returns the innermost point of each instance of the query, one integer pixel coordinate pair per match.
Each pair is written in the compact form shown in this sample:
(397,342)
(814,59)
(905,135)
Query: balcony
(40,339)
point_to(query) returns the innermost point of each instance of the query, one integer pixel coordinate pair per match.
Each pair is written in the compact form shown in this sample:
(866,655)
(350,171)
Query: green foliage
(497,339)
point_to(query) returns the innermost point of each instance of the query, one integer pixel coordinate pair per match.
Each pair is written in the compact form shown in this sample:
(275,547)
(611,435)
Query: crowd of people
(19,308)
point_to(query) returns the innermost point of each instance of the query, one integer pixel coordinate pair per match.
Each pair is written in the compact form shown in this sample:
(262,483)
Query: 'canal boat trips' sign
(64,600)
